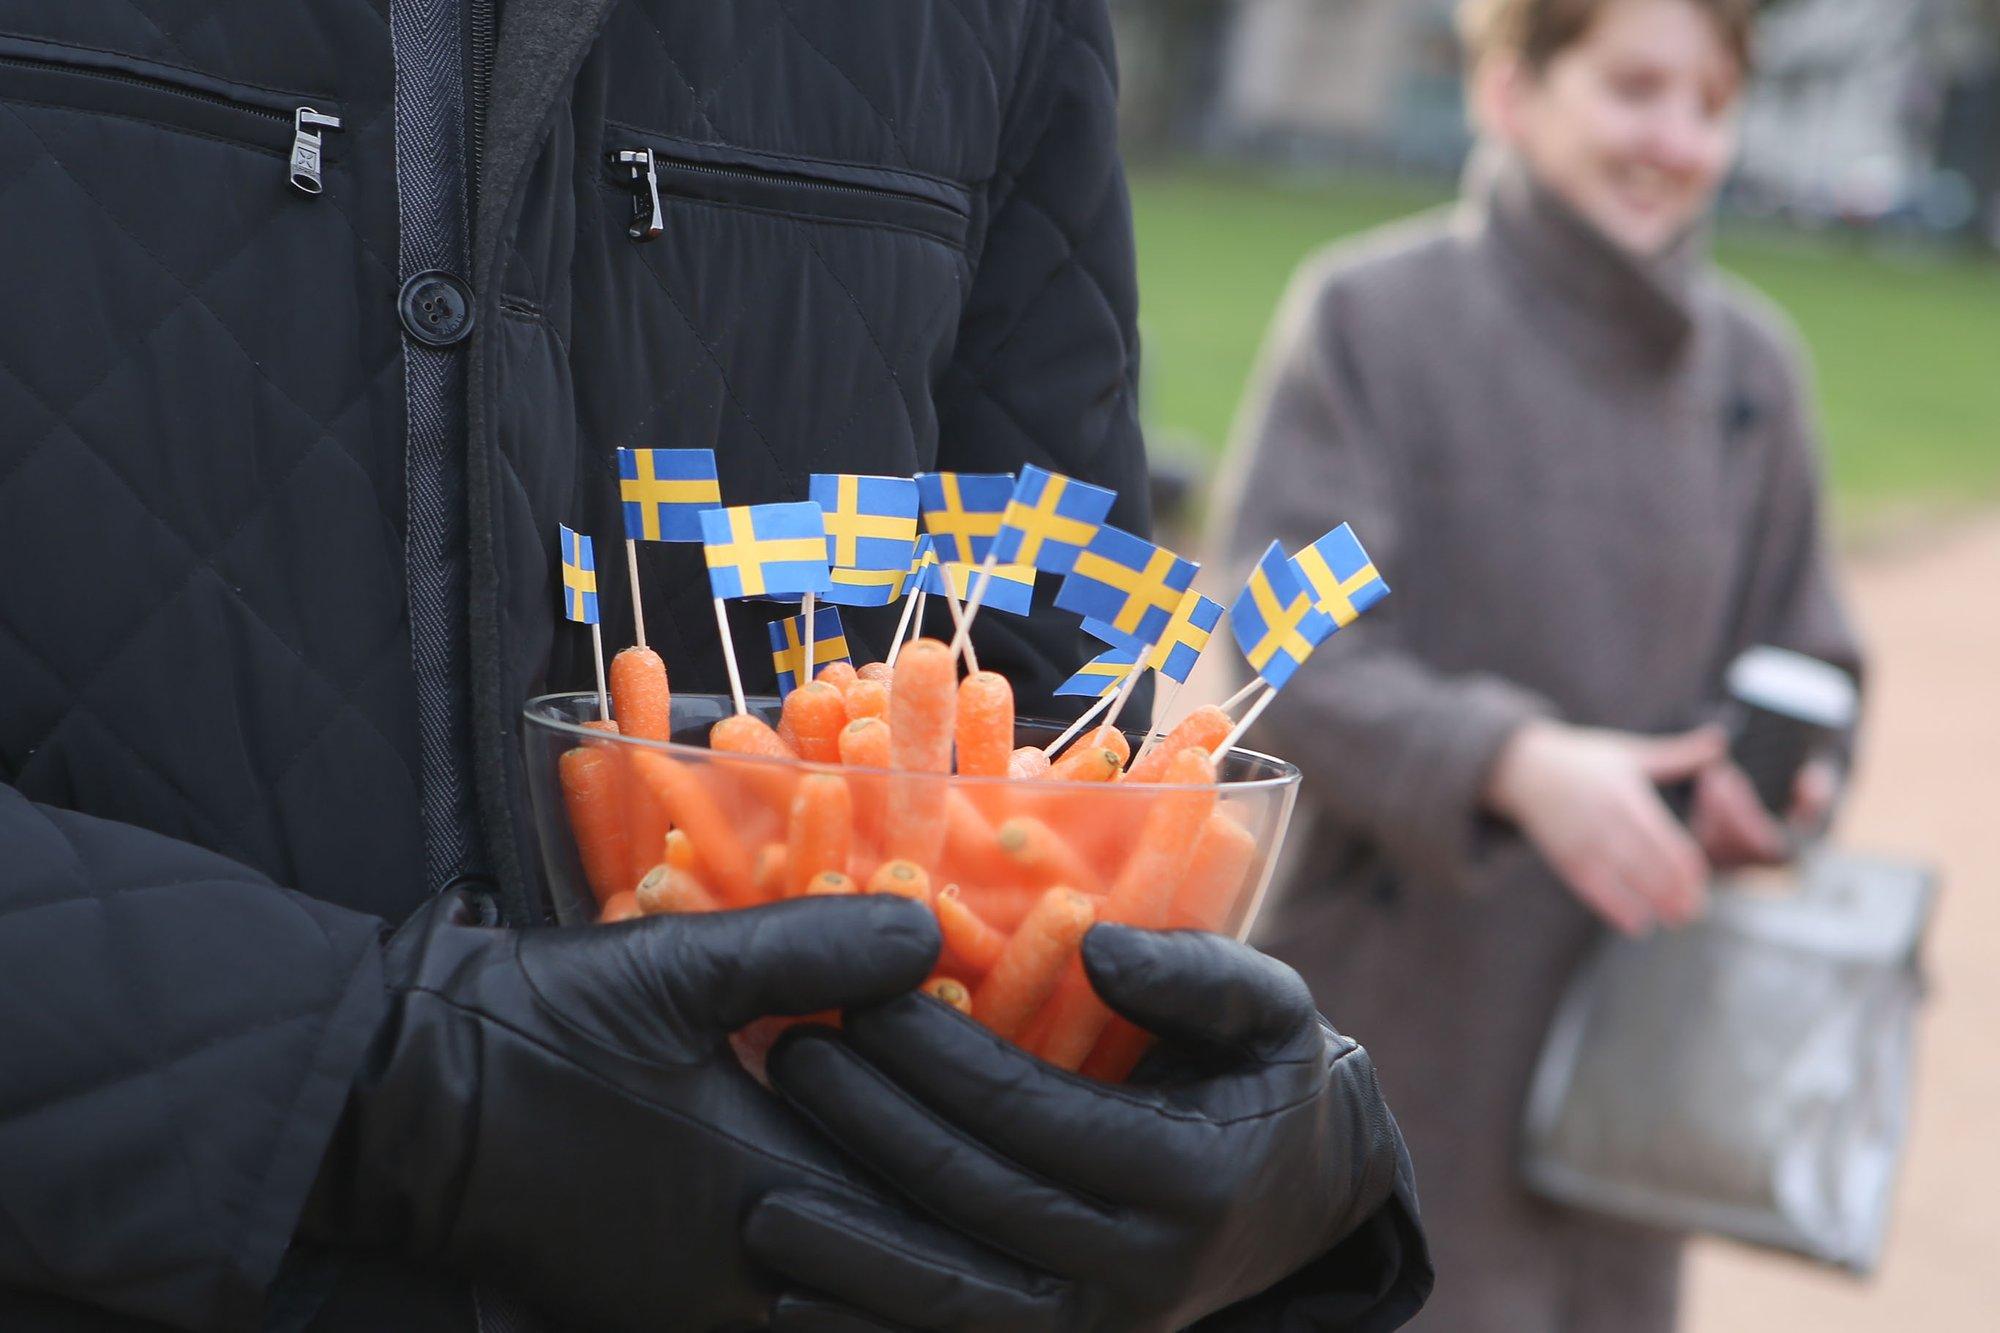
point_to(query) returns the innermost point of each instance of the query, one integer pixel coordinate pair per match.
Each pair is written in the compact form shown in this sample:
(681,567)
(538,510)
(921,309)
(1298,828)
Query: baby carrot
(1205,727)
(666,889)
(1028,763)
(640,699)
(905,879)
(742,733)
(864,743)
(679,849)
(837,674)
(1003,906)
(645,823)
(1086,763)
(951,991)
(815,714)
(1071,1024)
(922,703)
(866,698)
(591,792)
(1032,962)
(1216,870)
(970,847)
(1043,857)
(985,724)
(881,671)
(829,882)
(770,873)
(1144,888)
(821,830)
(967,938)
(620,907)
(693,807)
(1112,739)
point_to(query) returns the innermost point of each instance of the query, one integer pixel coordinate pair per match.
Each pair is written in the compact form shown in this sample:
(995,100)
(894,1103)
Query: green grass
(1906,345)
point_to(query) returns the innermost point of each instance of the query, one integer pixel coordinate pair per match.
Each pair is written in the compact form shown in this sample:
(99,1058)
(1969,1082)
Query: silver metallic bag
(1749,1076)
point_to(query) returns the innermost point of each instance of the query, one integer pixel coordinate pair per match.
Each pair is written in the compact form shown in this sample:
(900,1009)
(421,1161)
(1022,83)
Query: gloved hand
(1252,1142)
(559,1110)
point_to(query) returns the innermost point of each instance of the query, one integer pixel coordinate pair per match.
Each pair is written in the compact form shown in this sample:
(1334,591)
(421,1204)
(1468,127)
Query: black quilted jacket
(278,543)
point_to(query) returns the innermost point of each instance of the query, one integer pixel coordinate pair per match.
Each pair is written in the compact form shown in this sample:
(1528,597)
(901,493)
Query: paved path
(1929,785)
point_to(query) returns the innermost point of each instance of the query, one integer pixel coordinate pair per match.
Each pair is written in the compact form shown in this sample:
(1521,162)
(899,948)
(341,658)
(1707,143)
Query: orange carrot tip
(837,674)
(1112,739)
(1033,961)
(620,907)
(985,724)
(667,890)
(639,694)
(1086,764)
(968,939)
(905,879)
(866,698)
(828,883)
(679,849)
(815,713)
(770,876)
(951,991)
(1205,728)
(881,671)
(743,733)
(1028,763)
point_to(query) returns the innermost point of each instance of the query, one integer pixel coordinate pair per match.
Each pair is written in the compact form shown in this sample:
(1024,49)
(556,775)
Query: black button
(436,308)
(478,900)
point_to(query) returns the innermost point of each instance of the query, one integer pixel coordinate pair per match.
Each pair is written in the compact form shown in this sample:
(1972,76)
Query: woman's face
(1634,125)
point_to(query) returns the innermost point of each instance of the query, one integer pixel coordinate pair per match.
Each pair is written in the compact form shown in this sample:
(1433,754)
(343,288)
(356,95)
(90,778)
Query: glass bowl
(1191,857)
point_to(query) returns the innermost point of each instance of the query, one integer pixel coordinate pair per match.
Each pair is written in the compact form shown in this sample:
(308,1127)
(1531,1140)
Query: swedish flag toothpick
(663,493)
(1048,521)
(1341,576)
(1277,625)
(772,550)
(579,585)
(1128,583)
(1180,647)
(962,511)
(788,647)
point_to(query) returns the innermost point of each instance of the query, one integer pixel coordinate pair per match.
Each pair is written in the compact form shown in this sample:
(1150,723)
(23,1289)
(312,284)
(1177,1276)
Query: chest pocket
(791,312)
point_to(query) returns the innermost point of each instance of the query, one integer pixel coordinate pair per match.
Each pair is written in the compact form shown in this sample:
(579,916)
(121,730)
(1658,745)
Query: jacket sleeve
(1046,364)
(1394,750)
(179,1035)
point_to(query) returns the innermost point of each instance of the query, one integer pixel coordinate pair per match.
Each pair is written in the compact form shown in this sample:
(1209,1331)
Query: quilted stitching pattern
(200,402)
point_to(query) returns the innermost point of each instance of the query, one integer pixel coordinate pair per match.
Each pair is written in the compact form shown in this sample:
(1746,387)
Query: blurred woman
(1585,463)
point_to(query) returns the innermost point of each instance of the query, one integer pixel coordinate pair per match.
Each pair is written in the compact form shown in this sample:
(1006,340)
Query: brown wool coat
(1589,482)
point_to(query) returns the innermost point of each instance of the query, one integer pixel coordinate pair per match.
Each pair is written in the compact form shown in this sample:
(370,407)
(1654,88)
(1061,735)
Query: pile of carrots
(1016,868)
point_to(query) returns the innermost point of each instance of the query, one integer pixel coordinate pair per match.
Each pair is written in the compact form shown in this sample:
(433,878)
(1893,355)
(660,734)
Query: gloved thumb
(798,957)
(1196,988)
(1670,758)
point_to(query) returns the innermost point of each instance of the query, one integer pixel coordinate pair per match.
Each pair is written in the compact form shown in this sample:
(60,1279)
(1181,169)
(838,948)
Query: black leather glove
(1250,1145)
(559,1110)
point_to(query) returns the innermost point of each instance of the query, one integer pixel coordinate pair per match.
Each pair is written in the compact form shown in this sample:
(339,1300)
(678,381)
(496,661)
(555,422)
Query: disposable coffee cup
(1785,710)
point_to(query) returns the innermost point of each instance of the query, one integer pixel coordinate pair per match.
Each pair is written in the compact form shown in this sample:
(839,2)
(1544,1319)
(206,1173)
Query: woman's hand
(1734,828)
(1588,799)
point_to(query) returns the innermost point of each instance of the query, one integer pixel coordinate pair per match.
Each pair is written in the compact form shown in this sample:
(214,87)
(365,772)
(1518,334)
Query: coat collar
(1571,274)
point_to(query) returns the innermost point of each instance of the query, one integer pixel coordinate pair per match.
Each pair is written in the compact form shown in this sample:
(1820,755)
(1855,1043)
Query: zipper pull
(306,126)
(647,222)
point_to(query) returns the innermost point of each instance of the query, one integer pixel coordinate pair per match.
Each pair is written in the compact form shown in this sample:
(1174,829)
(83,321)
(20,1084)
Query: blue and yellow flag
(766,550)
(1275,621)
(871,522)
(1011,589)
(1102,674)
(1341,576)
(962,511)
(1128,583)
(1186,636)
(579,577)
(788,653)
(866,587)
(664,491)
(1049,519)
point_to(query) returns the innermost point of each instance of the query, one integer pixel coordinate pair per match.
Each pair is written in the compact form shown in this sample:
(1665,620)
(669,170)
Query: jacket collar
(1571,274)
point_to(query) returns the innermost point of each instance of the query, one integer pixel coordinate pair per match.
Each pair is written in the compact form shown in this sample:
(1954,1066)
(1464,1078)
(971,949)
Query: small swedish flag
(1128,583)
(1102,674)
(1049,519)
(579,577)
(962,511)
(776,550)
(1186,636)
(664,491)
(866,587)
(871,522)
(1275,621)
(1011,589)
(788,653)
(1341,576)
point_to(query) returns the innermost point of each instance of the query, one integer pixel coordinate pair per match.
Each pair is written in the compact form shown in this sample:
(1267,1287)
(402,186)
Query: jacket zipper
(307,124)
(479,86)
(642,176)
